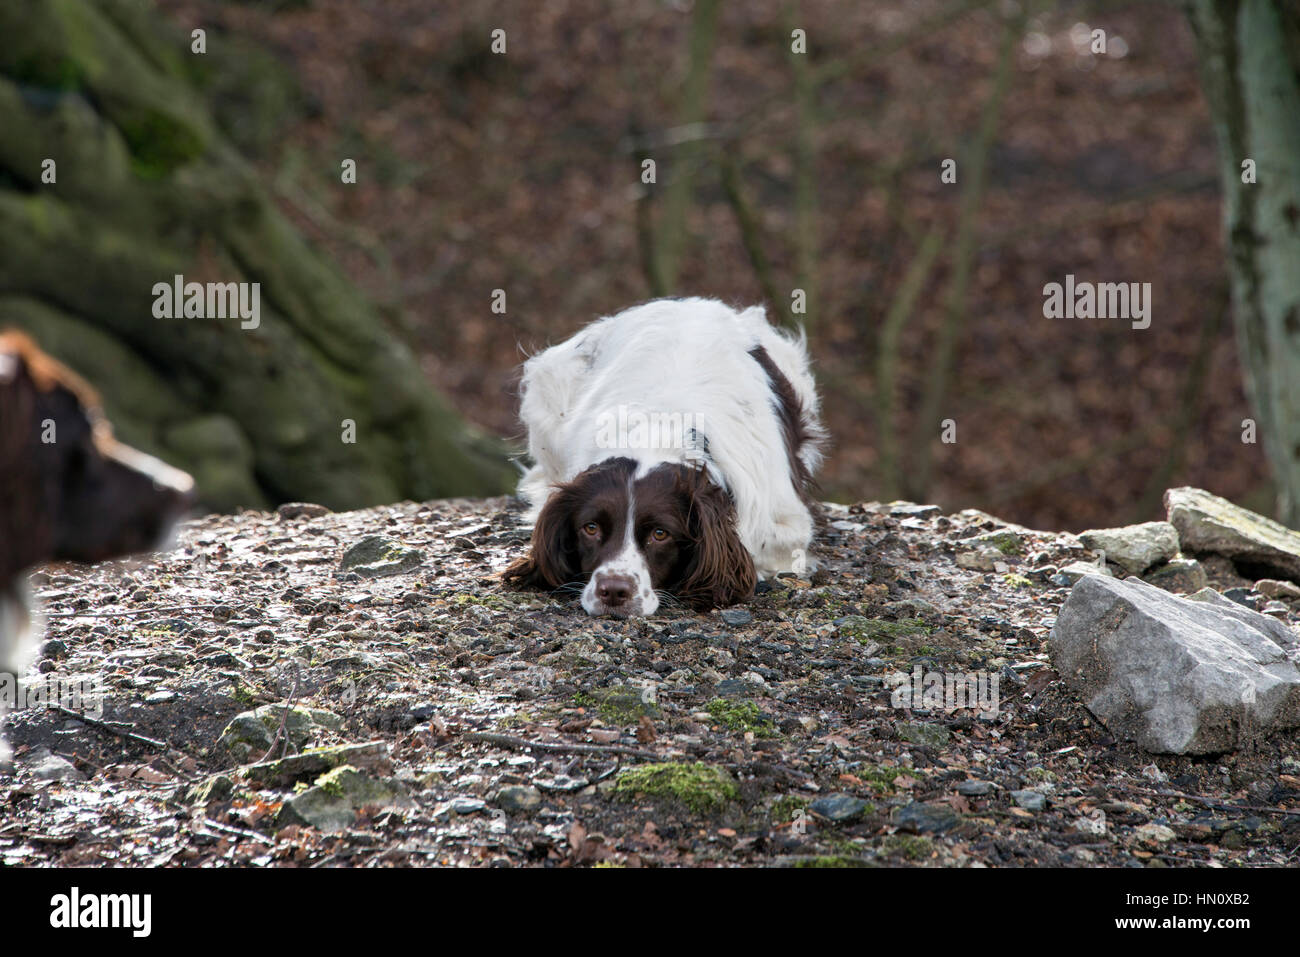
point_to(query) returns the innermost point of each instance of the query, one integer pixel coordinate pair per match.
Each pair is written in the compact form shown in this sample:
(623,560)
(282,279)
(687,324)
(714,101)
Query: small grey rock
(908,510)
(924,734)
(370,756)
(1134,548)
(926,818)
(980,560)
(733,687)
(518,798)
(1071,573)
(52,767)
(1005,541)
(840,808)
(1273,588)
(377,557)
(912,608)
(252,733)
(1243,596)
(301,510)
(217,788)
(1029,800)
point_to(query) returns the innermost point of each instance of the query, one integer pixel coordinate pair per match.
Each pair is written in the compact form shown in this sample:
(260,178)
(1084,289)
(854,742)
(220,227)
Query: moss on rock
(741,717)
(866,630)
(332,803)
(621,705)
(703,788)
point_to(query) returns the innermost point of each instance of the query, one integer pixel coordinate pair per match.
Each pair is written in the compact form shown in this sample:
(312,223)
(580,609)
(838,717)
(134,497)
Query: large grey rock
(1177,675)
(1134,548)
(1207,523)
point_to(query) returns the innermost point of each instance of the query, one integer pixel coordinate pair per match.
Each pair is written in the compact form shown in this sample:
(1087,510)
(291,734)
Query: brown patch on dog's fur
(795,429)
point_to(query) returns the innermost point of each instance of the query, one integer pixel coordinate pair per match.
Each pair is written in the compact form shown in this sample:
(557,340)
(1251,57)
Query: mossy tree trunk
(148,188)
(1250,64)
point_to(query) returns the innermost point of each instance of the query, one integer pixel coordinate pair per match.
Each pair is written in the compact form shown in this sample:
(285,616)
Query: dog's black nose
(615,590)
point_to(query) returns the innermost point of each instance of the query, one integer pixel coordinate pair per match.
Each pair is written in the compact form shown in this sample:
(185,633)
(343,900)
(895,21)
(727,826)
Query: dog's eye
(659,535)
(591,528)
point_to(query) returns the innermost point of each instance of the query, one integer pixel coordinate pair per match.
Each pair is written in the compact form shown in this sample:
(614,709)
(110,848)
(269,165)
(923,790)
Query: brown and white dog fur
(68,490)
(698,513)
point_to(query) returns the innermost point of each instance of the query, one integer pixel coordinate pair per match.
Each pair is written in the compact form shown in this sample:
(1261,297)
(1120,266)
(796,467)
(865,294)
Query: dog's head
(68,490)
(628,538)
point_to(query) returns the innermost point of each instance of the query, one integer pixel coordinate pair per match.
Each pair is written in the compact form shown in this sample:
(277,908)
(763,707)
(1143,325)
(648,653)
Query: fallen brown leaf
(1039,680)
(645,730)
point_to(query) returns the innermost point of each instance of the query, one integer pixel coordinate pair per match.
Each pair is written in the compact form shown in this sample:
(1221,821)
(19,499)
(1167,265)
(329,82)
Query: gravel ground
(477,726)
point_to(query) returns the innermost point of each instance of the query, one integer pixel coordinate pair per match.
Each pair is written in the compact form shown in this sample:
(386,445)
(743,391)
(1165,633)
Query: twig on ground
(105,726)
(238,832)
(284,718)
(1210,802)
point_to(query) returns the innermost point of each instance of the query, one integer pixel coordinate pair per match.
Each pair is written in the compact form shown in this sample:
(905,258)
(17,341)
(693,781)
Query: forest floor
(490,728)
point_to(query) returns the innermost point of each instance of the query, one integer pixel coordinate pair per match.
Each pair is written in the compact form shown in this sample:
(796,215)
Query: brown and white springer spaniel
(675,445)
(68,490)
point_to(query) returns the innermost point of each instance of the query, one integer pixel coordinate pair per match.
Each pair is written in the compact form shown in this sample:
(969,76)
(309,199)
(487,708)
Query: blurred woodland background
(480,171)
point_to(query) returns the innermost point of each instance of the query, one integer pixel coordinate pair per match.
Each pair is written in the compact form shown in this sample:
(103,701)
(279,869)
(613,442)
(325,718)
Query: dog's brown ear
(721,571)
(552,557)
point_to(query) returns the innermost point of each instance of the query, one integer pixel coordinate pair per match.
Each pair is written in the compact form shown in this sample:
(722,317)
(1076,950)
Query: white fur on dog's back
(691,357)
